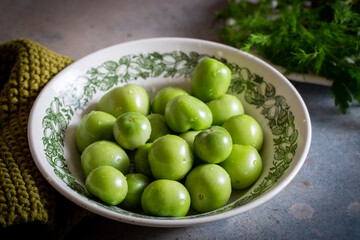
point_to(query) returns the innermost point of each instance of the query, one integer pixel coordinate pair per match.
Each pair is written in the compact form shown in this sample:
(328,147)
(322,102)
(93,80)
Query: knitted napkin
(25,196)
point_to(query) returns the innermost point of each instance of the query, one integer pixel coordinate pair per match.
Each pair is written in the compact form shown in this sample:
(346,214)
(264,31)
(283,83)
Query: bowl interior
(154,64)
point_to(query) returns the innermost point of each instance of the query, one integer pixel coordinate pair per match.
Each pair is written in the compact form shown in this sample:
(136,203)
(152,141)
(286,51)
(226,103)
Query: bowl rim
(173,222)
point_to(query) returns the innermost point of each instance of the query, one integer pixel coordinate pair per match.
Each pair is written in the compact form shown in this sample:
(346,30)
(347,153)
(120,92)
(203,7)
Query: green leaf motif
(130,68)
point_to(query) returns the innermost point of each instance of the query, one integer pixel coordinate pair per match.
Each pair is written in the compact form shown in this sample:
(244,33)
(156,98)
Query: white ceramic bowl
(155,63)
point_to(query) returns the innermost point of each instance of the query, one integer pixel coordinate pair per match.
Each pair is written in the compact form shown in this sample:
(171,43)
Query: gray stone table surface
(322,201)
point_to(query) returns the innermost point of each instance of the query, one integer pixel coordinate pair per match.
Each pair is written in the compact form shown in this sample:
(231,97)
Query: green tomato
(244,166)
(108,184)
(224,107)
(170,157)
(141,160)
(165,198)
(136,184)
(93,127)
(158,126)
(163,96)
(210,79)
(127,98)
(213,145)
(104,153)
(131,130)
(209,186)
(189,137)
(245,130)
(186,112)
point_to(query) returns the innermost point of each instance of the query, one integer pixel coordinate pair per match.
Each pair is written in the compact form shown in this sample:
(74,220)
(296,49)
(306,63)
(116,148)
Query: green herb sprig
(318,37)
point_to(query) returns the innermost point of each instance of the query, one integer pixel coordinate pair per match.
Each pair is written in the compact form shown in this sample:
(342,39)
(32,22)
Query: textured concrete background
(77,28)
(322,202)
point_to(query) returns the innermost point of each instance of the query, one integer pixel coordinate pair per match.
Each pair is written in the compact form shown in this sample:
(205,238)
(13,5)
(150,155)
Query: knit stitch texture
(25,67)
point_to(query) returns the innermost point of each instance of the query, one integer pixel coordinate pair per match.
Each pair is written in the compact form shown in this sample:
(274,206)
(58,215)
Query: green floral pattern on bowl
(251,87)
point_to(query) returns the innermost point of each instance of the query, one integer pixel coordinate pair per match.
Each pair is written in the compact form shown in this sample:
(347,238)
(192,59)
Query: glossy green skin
(141,160)
(189,137)
(213,145)
(245,130)
(170,157)
(165,198)
(108,184)
(127,98)
(93,127)
(224,107)
(244,166)
(187,112)
(209,186)
(158,126)
(104,153)
(132,130)
(136,184)
(163,96)
(210,79)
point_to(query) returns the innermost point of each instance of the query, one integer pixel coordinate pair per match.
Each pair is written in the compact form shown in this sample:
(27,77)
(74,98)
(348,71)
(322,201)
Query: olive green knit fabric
(25,196)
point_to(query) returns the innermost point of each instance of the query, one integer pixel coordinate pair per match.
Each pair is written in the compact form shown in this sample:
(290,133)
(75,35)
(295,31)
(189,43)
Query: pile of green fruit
(189,150)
